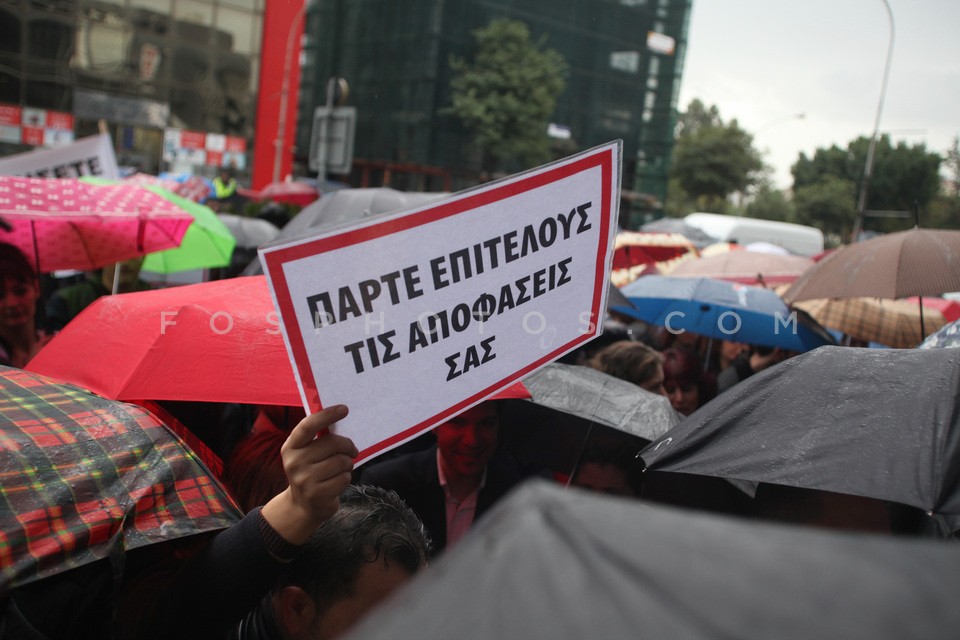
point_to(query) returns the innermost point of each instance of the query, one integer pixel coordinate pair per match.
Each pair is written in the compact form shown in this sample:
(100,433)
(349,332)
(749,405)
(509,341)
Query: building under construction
(625,58)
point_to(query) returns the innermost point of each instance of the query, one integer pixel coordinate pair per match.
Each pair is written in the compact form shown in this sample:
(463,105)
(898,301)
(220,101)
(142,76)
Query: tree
(712,160)
(828,204)
(770,204)
(903,176)
(507,94)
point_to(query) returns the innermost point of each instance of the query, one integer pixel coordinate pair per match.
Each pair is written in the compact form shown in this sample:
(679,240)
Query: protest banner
(410,318)
(91,156)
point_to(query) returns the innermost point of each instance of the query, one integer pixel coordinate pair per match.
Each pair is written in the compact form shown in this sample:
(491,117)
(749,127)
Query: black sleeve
(213,590)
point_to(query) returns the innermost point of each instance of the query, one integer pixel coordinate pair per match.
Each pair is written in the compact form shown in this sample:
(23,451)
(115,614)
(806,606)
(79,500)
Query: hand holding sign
(318,470)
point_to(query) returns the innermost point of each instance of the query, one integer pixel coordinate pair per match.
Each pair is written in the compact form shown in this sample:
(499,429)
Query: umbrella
(746,267)
(877,423)
(919,262)
(570,564)
(345,206)
(552,427)
(195,188)
(947,337)
(249,232)
(893,323)
(719,309)
(69,224)
(296,193)
(632,248)
(696,235)
(213,342)
(207,244)
(950,309)
(86,478)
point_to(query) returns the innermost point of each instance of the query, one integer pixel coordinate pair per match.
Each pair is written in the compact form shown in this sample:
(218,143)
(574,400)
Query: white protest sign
(92,156)
(413,317)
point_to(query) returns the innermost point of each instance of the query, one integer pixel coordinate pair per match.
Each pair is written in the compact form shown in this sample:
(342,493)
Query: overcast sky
(765,61)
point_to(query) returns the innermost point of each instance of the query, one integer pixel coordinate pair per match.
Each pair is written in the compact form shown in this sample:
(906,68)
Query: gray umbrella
(878,423)
(549,563)
(346,206)
(249,232)
(569,404)
(697,236)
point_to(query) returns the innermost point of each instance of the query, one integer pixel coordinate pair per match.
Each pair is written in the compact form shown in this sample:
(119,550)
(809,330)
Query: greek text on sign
(413,317)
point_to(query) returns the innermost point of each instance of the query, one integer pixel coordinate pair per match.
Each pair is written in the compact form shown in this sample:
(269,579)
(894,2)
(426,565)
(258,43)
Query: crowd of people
(322,543)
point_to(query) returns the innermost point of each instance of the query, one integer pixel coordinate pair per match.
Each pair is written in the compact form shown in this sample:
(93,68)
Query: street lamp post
(868,167)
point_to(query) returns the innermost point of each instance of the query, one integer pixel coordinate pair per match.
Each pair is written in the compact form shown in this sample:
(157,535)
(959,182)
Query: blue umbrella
(721,310)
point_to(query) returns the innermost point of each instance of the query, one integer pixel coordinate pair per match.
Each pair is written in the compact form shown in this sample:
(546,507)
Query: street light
(770,123)
(868,168)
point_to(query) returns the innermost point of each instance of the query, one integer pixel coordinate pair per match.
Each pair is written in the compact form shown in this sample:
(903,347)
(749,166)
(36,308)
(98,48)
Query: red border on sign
(277,258)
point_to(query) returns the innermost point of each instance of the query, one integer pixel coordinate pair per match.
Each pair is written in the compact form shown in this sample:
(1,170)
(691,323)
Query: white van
(795,238)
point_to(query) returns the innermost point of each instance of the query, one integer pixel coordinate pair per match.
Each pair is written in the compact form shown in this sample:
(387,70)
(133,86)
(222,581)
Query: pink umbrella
(69,224)
(746,267)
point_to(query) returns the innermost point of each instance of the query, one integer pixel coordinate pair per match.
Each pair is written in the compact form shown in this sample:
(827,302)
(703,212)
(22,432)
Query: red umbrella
(949,308)
(633,248)
(69,224)
(296,193)
(211,342)
(83,478)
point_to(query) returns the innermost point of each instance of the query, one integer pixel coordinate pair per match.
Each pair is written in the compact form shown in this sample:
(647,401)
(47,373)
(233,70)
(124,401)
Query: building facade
(139,68)
(625,59)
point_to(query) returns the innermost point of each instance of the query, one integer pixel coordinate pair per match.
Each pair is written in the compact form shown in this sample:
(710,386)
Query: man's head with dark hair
(609,465)
(371,546)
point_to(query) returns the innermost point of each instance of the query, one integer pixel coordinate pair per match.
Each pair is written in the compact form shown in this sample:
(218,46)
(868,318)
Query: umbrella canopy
(947,337)
(878,423)
(214,342)
(893,323)
(632,248)
(549,563)
(719,309)
(297,193)
(350,205)
(69,224)
(195,188)
(696,235)
(250,233)
(950,309)
(919,262)
(552,427)
(85,478)
(345,206)
(207,244)
(745,267)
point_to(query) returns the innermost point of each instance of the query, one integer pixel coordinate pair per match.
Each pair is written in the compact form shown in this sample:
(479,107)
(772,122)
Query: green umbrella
(207,244)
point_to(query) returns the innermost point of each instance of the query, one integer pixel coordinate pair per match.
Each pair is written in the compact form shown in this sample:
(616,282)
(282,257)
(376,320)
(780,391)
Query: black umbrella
(571,403)
(549,563)
(878,423)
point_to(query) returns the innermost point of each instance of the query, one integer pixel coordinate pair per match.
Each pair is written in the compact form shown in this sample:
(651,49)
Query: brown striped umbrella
(918,262)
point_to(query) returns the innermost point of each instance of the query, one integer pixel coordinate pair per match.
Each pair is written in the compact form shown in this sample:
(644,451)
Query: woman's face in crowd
(685,397)
(654,384)
(18,303)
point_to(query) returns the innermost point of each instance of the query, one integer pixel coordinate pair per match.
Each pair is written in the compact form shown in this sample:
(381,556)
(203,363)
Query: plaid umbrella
(894,323)
(83,478)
